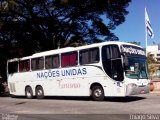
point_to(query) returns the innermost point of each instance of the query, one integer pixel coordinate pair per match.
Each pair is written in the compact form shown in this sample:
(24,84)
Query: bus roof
(68,49)
(56,51)
(105,43)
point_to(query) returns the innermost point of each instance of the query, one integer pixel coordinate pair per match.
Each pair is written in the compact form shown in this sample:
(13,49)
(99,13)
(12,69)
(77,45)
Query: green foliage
(152,66)
(46,24)
(150,59)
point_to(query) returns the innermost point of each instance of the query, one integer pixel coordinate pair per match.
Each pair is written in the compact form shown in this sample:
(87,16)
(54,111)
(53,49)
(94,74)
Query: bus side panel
(73,81)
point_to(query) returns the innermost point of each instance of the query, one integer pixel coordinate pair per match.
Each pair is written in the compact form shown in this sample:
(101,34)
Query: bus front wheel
(39,92)
(97,93)
(29,92)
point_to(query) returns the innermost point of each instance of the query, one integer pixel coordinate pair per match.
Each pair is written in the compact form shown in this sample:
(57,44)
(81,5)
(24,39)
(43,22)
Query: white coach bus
(97,70)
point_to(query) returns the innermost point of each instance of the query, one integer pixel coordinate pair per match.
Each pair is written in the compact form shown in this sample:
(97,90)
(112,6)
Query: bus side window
(94,55)
(73,59)
(69,59)
(65,60)
(52,61)
(48,62)
(37,63)
(84,54)
(12,67)
(20,66)
(89,56)
(24,65)
(55,61)
(27,64)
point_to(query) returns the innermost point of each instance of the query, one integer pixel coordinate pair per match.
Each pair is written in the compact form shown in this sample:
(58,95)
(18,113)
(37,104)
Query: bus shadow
(124,99)
(75,98)
(106,99)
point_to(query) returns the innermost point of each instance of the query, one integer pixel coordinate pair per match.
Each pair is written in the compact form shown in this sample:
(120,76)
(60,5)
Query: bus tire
(39,92)
(97,93)
(29,92)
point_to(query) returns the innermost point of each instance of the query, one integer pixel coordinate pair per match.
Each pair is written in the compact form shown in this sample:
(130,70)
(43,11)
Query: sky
(133,29)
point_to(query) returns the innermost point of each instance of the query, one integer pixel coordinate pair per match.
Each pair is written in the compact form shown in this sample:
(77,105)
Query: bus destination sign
(132,50)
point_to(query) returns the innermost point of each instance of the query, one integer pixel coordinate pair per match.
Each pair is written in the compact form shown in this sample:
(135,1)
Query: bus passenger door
(112,64)
(118,77)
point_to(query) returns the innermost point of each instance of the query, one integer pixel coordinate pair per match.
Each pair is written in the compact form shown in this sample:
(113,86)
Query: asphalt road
(141,107)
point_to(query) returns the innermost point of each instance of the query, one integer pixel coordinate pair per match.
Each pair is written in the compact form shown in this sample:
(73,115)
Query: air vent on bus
(12,87)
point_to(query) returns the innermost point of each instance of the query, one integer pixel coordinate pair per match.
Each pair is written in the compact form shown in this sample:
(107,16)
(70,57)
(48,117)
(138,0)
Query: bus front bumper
(133,89)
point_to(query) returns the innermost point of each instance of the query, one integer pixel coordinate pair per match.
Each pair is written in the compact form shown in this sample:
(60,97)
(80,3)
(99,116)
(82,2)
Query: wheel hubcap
(29,94)
(97,92)
(39,93)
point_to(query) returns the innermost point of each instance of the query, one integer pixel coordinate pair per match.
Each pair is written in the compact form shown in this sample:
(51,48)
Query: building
(154,51)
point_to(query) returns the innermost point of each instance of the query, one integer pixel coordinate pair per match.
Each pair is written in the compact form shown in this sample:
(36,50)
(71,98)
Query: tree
(29,26)
(47,24)
(152,66)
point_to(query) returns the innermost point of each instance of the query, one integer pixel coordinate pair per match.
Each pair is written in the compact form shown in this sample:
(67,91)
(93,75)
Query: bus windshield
(136,68)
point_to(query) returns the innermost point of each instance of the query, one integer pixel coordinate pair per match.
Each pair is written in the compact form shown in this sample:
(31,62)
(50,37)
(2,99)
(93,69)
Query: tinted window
(37,63)
(111,52)
(69,59)
(117,70)
(52,61)
(84,57)
(24,65)
(89,56)
(12,67)
(111,60)
(73,58)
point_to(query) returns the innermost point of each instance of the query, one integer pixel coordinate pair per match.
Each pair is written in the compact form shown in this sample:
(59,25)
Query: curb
(152,92)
